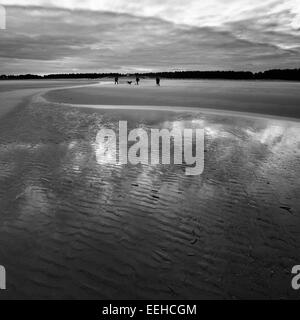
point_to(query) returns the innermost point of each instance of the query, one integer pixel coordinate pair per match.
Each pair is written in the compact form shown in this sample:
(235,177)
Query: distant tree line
(275,74)
(59,76)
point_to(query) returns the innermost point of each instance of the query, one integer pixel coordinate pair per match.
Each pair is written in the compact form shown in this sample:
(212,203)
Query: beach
(273,98)
(14,93)
(72,226)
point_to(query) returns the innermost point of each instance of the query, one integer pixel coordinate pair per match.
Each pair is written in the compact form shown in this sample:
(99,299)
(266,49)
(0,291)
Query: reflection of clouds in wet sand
(282,137)
(280,167)
(147,224)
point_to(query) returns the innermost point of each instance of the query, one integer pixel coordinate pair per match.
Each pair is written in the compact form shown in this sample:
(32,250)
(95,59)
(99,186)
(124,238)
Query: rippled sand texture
(72,227)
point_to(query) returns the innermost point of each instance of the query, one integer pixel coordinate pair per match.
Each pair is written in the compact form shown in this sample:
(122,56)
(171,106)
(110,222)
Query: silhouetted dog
(129,82)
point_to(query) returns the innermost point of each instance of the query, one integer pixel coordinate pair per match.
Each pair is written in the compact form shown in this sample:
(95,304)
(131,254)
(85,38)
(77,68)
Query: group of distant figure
(137,80)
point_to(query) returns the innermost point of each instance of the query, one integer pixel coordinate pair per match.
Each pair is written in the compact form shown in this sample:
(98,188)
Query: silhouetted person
(137,80)
(116,80)
(158,81)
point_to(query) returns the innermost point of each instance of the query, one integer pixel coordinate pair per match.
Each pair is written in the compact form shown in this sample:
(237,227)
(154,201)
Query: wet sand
(72,226)
(14,93)
(271,98)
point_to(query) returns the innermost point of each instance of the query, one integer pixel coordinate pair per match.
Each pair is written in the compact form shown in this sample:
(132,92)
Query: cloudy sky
(52,36)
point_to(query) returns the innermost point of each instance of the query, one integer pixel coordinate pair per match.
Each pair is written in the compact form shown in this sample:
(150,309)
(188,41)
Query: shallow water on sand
(73,227)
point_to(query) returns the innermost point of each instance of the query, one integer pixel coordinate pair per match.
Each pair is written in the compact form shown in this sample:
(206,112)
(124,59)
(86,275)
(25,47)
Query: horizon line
(149,72)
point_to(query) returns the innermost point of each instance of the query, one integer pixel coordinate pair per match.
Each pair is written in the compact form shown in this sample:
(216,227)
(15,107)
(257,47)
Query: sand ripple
(71,227)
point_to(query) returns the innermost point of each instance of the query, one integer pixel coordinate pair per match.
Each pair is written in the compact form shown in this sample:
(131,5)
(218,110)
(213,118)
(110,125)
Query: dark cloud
(49,40)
